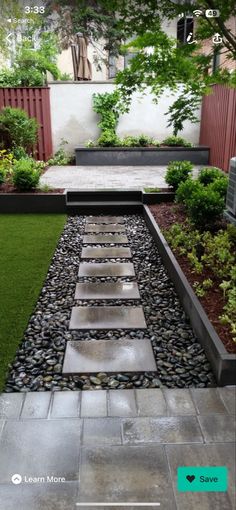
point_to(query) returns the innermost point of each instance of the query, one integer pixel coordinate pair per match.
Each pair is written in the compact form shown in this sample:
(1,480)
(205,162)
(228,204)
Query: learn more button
(202,479)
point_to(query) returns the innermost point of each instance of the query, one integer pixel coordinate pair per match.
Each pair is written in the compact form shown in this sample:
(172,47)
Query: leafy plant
(205,207)
(177,172)
(220,185)
(90,143)
(181,110)
(17,129)
(231,231)
(186,189)
(25,174)
(109,106)
(108,139)
(176,141)
(19,152)
(60,157)
(209,174)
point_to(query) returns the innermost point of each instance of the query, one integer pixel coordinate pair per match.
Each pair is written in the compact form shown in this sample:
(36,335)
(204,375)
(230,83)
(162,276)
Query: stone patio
(114,447)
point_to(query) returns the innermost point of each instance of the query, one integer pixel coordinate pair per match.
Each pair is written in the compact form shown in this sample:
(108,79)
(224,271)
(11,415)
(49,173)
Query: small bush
(17,129)
(2,176)
(205,207)
(108,139)
(60,157)
(19,152)
(176,141)
(144,141)
(177,172)
(25,174)
(220,185)
(186,189)
(6,161)
(129,141)
(231,230)
(208,175)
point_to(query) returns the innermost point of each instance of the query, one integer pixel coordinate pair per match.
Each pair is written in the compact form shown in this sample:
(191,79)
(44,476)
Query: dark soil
(213,302)
(9,188)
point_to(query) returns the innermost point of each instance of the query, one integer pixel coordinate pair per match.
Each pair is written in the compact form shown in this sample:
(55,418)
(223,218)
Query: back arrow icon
(8,36)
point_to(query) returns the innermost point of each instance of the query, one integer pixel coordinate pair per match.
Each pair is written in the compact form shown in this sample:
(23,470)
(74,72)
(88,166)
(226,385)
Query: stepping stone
(105,219)
(107,290)
(106,269)
(104,228)
(106,253)
(107,317)
(109,356)
(107,239)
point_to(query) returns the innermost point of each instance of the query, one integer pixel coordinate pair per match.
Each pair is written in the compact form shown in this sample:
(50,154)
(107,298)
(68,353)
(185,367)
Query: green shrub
(231,230)
(176,141)
(60,157)
(186,189)
(2,176)
(205,207)
(208,175)
(144,141)
(17,129)
(129,141)
(108,139)
(220,185)
(177,172)
(25,174)
(19,152)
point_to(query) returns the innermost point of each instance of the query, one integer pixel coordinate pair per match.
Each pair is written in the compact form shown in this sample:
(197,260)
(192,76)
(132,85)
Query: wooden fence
(218,126)
(36,102)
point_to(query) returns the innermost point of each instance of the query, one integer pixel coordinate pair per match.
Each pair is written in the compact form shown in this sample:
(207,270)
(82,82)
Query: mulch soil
(9,188)
(166,215)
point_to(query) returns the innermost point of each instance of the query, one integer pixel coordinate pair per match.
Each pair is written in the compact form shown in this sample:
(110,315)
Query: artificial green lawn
(27,244)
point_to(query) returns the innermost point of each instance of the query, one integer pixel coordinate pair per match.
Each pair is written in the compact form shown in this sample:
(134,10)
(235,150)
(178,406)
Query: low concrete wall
(74,120)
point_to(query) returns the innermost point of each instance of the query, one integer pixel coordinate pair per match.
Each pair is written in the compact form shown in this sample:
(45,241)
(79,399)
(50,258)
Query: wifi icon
(197,13)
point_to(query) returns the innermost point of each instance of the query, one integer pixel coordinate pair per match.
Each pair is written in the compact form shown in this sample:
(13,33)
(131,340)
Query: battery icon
(212,13)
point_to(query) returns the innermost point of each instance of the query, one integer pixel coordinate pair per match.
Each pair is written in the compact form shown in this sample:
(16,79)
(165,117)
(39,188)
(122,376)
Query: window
(184,28)
(112,69)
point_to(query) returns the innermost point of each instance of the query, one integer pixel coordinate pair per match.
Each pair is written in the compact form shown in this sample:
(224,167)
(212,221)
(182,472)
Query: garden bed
(138,156)
(208,327)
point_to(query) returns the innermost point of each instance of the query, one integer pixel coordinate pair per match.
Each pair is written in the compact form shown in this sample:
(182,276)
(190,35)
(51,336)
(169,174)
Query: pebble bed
(180,359)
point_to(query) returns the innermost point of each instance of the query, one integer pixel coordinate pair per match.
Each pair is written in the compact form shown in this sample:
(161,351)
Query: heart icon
(190,478)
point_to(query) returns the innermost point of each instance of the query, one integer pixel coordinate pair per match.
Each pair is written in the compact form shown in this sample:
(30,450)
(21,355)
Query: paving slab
(151,402)
(65,404)
(36,405)
(123,474)
(218,428)
(94,403)
(107,317)
(106,253)
(11,405)
(109,356)
(105,239)
(228,395)
(122,403)
(40,447)
(203,455)
(179,401)
(105,219)
(107,290)
(208,402)
(101,431)
(111,227)
(39,496)
(184,429)
(97,269)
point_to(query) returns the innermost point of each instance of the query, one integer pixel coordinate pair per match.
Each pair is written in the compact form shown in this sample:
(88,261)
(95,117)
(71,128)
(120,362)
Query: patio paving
(114,447)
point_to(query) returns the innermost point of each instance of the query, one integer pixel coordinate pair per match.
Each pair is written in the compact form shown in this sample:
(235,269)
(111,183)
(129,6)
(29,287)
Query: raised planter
(140,156)
(158,197)
(32,203)
(223,364)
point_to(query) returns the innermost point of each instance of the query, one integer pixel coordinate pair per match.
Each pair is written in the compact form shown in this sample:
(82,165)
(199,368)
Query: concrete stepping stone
(107,290)
(105,239)
(97,269)
(109,356)
(106,253)
(104,228)
(105,219)
(107,317)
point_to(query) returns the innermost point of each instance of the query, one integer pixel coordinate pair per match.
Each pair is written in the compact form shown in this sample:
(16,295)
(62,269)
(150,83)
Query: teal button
(202,479)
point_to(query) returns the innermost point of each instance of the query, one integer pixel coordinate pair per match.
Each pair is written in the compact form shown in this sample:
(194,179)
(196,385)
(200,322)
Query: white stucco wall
(73,118)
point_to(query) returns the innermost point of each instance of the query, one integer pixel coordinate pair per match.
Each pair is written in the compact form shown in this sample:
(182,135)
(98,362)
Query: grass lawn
(27,244)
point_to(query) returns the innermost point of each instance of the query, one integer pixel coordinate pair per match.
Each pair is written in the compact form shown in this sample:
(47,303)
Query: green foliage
(152,190)
(209,174)
(60,157)
(183,109)
(6,162)
(186,189)
(2,176)
(231,230)
(205,207)
(19,152)
(220,185)
(108,138)
(219,253)
(109,106)
(31,65)
(176,141)
(177,172)
(201,288)
(25,174)
(17,129)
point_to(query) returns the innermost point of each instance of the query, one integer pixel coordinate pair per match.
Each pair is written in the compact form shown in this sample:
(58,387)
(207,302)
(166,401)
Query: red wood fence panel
(36,102)
(218,126)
